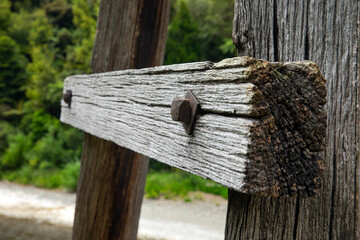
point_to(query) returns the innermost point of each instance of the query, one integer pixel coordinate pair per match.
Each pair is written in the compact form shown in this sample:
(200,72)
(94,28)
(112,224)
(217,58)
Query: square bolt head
(181,110)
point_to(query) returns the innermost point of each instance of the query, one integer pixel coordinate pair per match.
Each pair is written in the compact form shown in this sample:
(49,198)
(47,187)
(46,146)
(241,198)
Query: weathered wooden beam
(260,130)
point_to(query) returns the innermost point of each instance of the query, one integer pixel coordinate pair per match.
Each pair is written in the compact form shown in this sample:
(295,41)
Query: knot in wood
(181,110)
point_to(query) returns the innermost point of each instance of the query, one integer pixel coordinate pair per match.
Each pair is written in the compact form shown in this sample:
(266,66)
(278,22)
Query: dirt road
(30,213)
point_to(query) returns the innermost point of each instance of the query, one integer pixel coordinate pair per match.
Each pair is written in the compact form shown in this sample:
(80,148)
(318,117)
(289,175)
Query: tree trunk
(326,32)
(130,34)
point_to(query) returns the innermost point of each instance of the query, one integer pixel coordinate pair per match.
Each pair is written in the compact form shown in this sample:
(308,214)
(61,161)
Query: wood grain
(108,203)
(326,32)
(130,34)
(265,121)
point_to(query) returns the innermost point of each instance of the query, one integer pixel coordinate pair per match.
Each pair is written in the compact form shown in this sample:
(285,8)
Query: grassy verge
(170,184)
(65,178)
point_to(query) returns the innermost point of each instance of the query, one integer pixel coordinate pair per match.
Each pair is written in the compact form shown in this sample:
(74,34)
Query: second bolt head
(67,97)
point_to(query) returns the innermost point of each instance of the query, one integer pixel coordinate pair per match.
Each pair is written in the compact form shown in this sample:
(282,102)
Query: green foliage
(64,39)
(12,72)
(36,124)
(43,75)
(6,129)
(182,44)
(36,39)
(70,175)
(178,183)
(44,86)
(200,30)
(228,47)
(47,148)
(59,12)
(84,18)
(40,30)
(19,30)
(214,19)
(158,166)
(53,144)
(49,178)
(48,152)
(14,156)
(5,14)
(30,5)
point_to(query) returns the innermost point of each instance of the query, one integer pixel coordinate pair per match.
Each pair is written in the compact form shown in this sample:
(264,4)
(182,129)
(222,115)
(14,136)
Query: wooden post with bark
(130,34)
(326,32)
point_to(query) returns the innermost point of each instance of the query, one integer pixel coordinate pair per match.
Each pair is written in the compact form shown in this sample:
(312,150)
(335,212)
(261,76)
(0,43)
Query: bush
(43,144)
(6,129)
(37,124)
(14,156)
(70,175)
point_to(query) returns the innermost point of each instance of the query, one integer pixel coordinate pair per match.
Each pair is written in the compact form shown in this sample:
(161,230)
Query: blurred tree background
(42,42)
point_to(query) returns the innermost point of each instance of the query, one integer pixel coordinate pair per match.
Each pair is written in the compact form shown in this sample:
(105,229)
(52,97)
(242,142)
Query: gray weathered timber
(260,130)
(326,32)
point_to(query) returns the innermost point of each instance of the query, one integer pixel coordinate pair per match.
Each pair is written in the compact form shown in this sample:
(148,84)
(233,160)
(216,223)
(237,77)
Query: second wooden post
(130,34)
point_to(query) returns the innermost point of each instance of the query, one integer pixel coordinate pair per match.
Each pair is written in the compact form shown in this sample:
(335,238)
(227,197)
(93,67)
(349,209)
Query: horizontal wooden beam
(260,130)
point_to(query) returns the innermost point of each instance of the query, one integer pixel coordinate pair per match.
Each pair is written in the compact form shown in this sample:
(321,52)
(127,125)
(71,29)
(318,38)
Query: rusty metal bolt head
(181,110)
(67,97)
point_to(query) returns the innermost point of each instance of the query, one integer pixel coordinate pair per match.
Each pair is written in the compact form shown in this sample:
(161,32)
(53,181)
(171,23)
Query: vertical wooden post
(130,34)
(326,32)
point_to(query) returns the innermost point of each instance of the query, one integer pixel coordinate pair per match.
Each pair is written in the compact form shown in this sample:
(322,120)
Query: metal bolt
(67,97)
(185,110)
(181,110)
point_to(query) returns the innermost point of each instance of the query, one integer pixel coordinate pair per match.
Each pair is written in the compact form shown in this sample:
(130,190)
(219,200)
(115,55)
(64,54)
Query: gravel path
(31,213)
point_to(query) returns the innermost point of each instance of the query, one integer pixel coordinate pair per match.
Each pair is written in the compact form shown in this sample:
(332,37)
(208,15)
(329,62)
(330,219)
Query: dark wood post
(326,32)
(130,34)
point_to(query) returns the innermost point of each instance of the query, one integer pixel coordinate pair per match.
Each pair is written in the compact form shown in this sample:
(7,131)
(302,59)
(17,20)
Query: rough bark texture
(326,32)
(130,34)
(265,120)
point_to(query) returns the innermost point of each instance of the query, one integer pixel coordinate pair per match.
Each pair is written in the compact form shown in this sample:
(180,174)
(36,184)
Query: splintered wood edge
(286,122)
